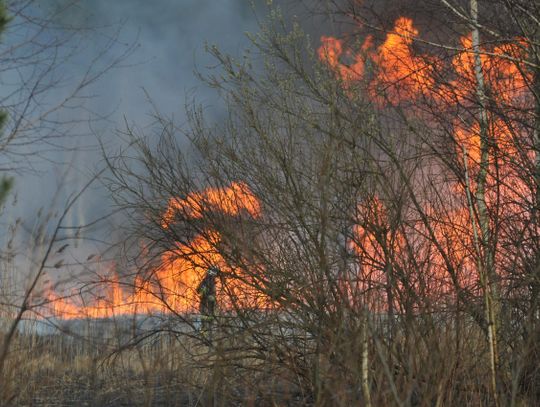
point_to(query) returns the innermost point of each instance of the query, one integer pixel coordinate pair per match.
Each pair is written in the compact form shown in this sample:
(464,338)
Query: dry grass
(165,370)
(428,365)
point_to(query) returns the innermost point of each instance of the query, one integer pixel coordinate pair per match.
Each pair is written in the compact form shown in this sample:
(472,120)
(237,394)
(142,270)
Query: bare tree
(46,104)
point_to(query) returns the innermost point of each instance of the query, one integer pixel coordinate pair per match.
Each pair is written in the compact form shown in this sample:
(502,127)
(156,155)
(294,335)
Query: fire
(331,51)
(382,252)
(396,75)
(229,201)
(171,286)
(399,73)
(402,74)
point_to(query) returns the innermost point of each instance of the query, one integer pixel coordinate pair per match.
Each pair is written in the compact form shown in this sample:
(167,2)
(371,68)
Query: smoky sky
(167,39)
(170,35)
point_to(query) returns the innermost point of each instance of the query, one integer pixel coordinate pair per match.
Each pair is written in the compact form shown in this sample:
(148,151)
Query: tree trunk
(486,267)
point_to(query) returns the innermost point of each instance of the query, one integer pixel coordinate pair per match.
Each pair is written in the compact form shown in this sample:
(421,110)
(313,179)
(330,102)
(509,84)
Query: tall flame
(401,75)
(396,76)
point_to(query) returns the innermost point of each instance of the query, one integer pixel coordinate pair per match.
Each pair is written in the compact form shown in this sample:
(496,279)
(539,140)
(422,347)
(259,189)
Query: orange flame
(401,75)
(171,287)
(229,201)
(331,52)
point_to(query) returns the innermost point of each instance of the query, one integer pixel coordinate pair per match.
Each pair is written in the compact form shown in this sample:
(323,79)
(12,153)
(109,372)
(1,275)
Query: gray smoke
(169,36)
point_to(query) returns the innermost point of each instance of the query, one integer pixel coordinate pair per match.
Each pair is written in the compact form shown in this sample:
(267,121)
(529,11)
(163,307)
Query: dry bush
(391,269)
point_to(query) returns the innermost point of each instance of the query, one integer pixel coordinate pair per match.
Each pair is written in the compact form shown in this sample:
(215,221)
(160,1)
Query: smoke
(170,35)
(169,38)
